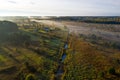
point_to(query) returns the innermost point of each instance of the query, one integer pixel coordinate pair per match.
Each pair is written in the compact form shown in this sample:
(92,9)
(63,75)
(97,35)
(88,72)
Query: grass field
(34,50)
(38,58)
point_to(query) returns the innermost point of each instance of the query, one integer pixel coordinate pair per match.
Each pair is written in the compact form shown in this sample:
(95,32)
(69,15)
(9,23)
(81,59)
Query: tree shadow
(44,54)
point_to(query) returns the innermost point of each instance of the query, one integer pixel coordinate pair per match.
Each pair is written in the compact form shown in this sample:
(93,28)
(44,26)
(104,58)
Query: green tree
(30,77)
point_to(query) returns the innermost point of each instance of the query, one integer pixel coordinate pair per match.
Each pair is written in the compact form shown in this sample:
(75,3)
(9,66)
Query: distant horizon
(59,8)
(60,16)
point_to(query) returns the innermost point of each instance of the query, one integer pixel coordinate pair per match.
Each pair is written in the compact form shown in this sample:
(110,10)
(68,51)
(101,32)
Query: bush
(30,67)
(101,74)
(112,71)
(30,77)
(115,45)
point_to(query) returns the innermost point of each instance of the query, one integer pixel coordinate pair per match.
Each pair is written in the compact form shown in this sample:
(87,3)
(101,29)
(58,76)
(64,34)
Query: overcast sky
(59,7)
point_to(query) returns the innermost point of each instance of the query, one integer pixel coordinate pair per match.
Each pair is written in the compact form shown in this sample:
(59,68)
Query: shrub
(112,71)
(115,45)
(30,77)
(101,74)
(30,67)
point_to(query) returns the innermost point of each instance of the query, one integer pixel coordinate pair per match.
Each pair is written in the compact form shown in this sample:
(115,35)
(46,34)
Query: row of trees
(102,19)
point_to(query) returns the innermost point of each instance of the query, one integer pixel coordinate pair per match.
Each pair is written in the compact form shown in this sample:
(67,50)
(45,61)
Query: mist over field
(60,40)
(59,48)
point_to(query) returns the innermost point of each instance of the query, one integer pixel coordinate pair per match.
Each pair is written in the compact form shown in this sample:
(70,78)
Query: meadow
(59,49)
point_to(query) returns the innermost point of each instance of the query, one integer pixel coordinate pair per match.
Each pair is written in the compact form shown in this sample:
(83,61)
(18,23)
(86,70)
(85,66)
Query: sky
(59,7)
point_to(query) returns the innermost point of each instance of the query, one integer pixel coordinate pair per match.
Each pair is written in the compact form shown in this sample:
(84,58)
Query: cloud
(13,2)
(61,7)
(32,3)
